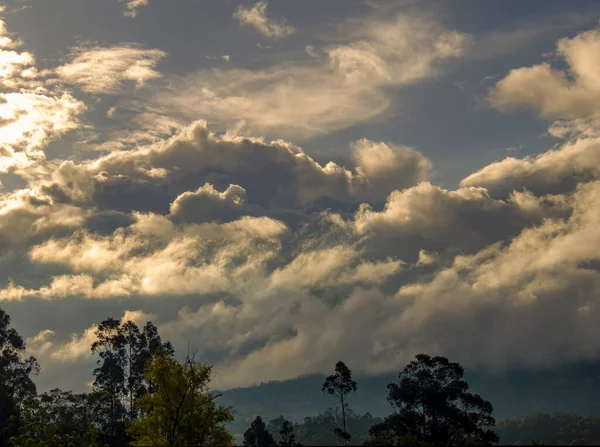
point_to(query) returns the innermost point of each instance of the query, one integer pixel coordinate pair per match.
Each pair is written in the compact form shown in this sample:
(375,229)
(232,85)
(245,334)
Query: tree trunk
(344,417)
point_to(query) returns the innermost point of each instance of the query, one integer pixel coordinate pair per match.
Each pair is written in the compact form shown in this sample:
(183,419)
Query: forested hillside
(551,428)
(570,389)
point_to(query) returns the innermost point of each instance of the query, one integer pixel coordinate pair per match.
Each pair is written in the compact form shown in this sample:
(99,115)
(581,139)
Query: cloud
(261,248)
(426,258)
(104,70)
(345,87)
(273,263)
(551,92)
(206,204)
(276,174)
(260,295)
(555,171)
(493,293)
(256,17)
(79,346)
(133,6)
(566,96)
(30,120)
(32,113)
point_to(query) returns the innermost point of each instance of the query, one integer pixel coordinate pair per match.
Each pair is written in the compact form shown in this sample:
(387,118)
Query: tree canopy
(16,384)
(432,406)
(258,435)
(182,410)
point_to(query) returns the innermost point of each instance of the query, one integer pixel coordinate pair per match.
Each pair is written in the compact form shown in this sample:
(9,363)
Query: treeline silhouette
(142,395)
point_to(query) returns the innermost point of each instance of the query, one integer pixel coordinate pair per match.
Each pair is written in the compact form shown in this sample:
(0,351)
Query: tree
(124,351)
(62,418)
(288,437)
(258,435)
(320,429)
(550,428)
(133,370)
(340,385)
(433,407)
(182,410)
(16,384)
(110,375)
(152,346)
(285,429)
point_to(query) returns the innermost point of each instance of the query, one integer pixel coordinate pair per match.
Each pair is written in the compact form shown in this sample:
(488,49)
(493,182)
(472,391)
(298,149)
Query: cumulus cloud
(555,171)
(236,230)
(262,294)
(104,70)
(556,93)
(277,174)
(566,96)
(544,273)
(256,17)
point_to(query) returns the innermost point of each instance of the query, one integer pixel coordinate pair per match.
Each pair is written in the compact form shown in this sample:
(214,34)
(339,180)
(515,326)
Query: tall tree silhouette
(258,435)
(152,346)
(15,377)
(124,351)
(433,406)
(340,385)
(288,436)
(110,374)
(133,374)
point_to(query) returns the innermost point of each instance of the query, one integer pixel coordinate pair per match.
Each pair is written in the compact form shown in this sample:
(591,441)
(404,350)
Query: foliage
(258,435)
(286,431)
(124,350)
(62,418)
(320,429)
(16,384)
(340,385)
(550,428)
(182,410)
(288,436)
(433,406)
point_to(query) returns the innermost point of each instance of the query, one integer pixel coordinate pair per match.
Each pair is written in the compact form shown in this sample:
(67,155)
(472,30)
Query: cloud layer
(274,264)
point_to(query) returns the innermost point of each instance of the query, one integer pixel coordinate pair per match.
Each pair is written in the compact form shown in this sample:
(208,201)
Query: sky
(280,185)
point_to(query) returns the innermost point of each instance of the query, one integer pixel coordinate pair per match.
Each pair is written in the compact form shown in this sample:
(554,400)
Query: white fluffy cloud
(556,93)
(256,17)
